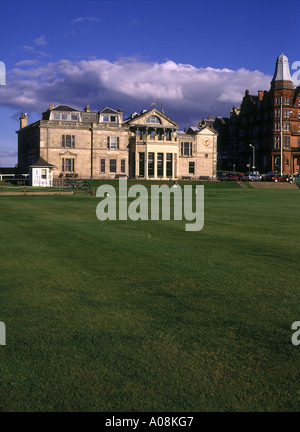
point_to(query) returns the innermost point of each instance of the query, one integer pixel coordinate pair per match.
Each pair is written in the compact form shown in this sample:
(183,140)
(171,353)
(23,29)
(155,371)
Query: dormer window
(153,120)
(109,119)
(65,116)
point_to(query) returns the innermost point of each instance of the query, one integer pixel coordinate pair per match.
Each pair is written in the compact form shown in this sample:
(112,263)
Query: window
(152,135)
(206,155)
(102,165)
(153,119)
(287,162)
(186,148)
(286,142)
(44,173)
(286,127)
(160,134)
(141,164)
(151,164)
(286,113)
(298,127)
(298,114)
(113,165)
(109,118)
(191,167)
(68,141)
(277,101)
(68,164)
(65,116)
(160,164)
(277,142)
(123,162)
(168,135)
(113,143)
(286,101)
(169,161)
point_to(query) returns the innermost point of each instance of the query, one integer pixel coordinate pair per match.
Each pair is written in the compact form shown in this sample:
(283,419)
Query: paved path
(35,193)
(274,185)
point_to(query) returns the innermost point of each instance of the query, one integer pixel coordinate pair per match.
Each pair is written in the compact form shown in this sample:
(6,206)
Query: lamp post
(281,136)
(253,157)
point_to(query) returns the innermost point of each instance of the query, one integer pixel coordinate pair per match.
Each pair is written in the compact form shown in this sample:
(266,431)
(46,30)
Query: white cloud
(32,50)
(81,19)
(26,63)
(40,40)
(185,92)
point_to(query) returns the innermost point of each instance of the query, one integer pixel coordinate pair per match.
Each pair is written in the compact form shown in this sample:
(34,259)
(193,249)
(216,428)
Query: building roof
(108,110)
(64,108)
(197,129)
(152,111)
(89,117)
(42,163)
(282,69)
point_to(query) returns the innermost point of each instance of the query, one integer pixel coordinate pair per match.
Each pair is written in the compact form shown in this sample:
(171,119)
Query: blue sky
(193,58)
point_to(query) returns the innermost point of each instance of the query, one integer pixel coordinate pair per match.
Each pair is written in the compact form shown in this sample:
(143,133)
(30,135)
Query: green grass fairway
(143,316)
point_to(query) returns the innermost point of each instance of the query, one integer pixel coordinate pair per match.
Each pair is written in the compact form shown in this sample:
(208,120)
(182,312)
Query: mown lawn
(144,316)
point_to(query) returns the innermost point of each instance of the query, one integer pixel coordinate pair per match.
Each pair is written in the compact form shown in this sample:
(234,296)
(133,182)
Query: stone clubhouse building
(103,145)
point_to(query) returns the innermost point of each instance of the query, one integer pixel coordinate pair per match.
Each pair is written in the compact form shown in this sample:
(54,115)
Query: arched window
(153,120)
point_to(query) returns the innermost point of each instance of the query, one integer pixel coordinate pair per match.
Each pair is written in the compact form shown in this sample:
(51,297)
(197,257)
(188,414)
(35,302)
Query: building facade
(263,134)
(102,145)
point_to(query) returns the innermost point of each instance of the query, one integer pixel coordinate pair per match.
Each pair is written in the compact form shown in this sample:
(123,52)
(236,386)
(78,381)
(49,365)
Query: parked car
(279,178)
(235,177)
(222,176)
(254,177)
(269,176)
(244,177)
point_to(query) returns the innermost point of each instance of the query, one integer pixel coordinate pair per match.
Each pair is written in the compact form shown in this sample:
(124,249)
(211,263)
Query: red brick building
(265,134)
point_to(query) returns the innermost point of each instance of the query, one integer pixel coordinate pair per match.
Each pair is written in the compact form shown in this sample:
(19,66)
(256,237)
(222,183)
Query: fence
(32,190)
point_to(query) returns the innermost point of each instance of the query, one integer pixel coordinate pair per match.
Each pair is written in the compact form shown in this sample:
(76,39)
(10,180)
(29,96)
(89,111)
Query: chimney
(23,120)
(260,94)
(87,108)
(121,115)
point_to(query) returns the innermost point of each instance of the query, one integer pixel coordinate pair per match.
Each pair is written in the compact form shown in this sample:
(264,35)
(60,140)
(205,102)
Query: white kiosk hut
(41,174)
